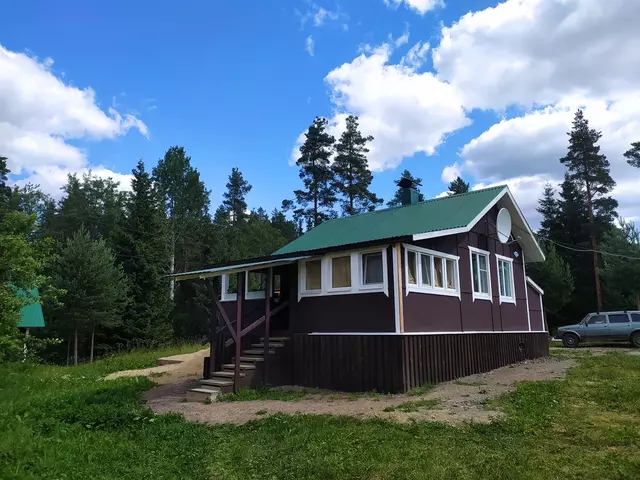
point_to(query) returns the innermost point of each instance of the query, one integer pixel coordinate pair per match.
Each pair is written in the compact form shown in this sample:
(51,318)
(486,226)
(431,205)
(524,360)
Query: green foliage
(95,290)
(315,202)
(5,190)
(396,200)
(234,203)
(458,186)
(621,273)
(352,177)
(69,423)
(413,406)
(633,155)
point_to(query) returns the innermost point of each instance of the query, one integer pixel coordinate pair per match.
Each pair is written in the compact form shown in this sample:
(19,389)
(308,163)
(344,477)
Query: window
(313,277)
(505,279)
(480,275)
(618,318)
(597,319)
(344,273)
(256,284)
(229,288)
(372,269)
(428,271)
(635,317)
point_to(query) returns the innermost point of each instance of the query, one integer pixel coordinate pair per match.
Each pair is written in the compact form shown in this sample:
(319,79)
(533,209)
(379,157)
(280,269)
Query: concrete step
(271,345)
(243,366)
(251,359)
(217,382)
(257,351)
(203,395)
(226,374)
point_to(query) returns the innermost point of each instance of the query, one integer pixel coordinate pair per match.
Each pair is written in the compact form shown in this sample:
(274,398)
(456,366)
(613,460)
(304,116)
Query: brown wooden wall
(397,363)
(358,312)
(535,310)
(437,313)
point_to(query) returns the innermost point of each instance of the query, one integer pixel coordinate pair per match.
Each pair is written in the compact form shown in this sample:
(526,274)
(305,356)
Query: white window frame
(232,297)
(477,295)
(432,289)
(357,281)
(503,298)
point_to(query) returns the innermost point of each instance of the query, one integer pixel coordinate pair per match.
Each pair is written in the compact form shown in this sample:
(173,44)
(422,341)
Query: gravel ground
(190,367)
(462,400)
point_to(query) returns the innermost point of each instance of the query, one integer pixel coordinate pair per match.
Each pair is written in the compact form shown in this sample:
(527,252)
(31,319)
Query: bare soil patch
(461,400)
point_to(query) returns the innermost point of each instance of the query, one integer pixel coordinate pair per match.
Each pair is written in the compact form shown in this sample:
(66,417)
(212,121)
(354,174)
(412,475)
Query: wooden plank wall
(397,363)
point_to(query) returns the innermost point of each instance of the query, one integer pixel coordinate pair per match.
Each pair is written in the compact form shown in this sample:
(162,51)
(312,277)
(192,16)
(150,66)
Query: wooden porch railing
(235,328)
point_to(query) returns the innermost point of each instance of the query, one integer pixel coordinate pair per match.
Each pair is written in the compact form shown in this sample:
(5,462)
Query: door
(619,326)
(596,328)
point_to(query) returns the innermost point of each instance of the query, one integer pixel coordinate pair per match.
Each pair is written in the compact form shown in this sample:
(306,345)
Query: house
(387,300)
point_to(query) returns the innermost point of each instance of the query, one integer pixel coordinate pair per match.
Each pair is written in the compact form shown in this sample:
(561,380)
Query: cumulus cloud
(538,51)
(419,6)
(450,173)
(39,114)
(405,111)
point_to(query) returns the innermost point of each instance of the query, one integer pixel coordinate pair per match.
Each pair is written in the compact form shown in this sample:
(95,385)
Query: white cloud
(450,173)
(420,6)
(309,45)
(39,114)
(405,111)
(416,55)
(319,16)
(539,51)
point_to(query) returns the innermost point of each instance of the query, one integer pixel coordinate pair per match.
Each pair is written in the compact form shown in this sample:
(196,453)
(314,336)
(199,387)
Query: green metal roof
(32,314)
(455,211)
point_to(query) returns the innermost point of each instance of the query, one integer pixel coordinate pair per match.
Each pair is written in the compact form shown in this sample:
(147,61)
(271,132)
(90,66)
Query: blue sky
(234,83)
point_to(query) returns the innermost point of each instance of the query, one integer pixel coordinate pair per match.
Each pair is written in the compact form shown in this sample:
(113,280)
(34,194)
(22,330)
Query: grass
(414,406)
(67,423)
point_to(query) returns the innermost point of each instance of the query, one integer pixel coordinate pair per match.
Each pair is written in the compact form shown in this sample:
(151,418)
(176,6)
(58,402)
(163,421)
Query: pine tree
(186,204)
(5,190)
(143,251)
(549,208)
(396,200)
(633,155)
(589,169)
(458,186)
(621,271)
(351,170)
(315,202)
(234,198)
(95,289)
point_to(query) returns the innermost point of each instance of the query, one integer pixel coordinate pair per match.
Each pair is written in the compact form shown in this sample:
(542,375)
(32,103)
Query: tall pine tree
(315,202)
(234,202)
(633,155)
(143,251)
(589,170)
(549,208)
(458,186)
(396,200)
(351,170)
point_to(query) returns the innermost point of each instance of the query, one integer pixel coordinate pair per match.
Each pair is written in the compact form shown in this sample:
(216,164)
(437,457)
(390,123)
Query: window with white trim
(428,271)
(505,279)
(480,274)
(254,286)
(343,273)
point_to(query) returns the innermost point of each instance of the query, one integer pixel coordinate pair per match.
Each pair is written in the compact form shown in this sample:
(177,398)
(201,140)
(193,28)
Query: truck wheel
(635,339)
(571,340)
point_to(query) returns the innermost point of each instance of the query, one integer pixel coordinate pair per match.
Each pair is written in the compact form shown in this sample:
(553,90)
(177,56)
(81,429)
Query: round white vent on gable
(503,225)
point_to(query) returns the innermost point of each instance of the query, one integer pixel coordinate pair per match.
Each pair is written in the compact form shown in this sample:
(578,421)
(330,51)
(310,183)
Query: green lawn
(67,423)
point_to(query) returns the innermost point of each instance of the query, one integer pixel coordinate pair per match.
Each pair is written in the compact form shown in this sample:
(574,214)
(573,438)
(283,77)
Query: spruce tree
(235,197)
(589,170)
(315,202)
(143,251)
(549,208)
(621,270)
(633,155)
(5,190)
(351,170)
(396,200)
(458,186)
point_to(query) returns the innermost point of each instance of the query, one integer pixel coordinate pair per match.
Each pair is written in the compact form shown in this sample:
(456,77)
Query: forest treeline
(100,256)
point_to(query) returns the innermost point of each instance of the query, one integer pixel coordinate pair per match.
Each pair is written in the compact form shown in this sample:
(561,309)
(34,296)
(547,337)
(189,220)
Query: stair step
(277,339)
(217,382)
(226,373)
(243,366)
(251,359)
(257,351)
(271,345)
(202,394)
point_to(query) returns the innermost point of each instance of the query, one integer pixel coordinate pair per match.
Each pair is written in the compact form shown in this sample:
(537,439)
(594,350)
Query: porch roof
(240,267)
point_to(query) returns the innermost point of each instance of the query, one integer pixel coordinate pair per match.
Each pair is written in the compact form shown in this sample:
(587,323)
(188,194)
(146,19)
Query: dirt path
(189,367)
(459,401)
